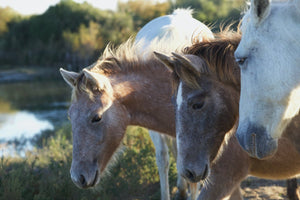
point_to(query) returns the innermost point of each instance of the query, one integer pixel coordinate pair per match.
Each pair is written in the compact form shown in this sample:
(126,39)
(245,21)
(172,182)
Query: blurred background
(36,39)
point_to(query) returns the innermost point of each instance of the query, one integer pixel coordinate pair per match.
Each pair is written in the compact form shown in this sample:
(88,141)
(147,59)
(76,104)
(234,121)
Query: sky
(28,7)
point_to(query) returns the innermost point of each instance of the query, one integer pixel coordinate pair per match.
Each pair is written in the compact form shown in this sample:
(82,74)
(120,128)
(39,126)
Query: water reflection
(21,124)
(30,107)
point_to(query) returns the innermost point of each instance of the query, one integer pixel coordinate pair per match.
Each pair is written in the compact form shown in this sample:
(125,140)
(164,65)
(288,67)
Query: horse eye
(96,118)
(241,61)
(197,106)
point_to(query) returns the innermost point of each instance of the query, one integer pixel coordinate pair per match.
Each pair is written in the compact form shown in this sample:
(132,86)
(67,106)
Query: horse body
(208,87)
(176,30)
(268,55)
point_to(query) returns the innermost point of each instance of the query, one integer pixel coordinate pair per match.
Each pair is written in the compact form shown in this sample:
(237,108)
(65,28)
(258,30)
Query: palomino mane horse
(120,89)
(207,78)
(115,73)
(269,59)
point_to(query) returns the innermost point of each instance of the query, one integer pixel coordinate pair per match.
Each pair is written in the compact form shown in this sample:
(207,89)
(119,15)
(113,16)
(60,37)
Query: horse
(122,88)
(206,84)
(268,56)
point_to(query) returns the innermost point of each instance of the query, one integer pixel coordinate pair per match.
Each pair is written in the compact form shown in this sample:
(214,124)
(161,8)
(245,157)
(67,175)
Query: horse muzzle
(195,175)
(255,140)
(85,178)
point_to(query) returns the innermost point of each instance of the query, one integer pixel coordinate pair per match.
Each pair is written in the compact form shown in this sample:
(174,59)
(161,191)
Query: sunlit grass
(5,107)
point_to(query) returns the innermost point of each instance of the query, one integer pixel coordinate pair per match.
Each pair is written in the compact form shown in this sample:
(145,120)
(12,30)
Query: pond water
(28,107)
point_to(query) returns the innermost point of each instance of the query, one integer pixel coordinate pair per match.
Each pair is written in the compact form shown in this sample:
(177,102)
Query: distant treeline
(73,34)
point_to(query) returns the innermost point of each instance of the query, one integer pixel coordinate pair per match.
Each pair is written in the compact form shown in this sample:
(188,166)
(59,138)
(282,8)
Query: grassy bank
(44,172)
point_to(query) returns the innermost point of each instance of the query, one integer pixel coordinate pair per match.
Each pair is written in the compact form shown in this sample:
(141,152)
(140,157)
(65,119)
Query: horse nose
(255,140)
(193,176)
(79,181)
(83,181)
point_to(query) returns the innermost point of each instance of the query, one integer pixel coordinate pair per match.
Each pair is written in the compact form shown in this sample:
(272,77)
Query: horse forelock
(218,54)
(175,83)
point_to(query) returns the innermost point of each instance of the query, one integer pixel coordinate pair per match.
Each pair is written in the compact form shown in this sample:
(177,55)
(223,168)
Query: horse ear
(69,77)
(166,60)
(261,8)
(187,70)
(93,78)
(190,62)
(97,81)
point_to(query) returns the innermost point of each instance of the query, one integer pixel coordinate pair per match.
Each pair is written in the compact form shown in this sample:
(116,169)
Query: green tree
(84,42)
(6,16)
(67,33)
(143,11)
(213,11)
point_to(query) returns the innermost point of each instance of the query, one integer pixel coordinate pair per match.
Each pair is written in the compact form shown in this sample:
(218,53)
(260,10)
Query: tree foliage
(7,15)
(214,11)
(70,33)
(143,11)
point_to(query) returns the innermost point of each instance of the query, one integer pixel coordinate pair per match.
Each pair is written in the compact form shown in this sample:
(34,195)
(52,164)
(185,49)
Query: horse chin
(255,140)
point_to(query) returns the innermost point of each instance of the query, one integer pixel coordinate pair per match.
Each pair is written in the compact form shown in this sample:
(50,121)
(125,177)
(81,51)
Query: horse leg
(162,162)
(181,193)
(292,192)
(236,194)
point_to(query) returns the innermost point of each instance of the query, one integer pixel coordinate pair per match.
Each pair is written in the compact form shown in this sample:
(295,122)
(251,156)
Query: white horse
(168,33)
(269,58)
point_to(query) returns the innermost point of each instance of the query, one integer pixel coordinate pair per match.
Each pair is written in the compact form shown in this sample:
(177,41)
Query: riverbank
(19,74)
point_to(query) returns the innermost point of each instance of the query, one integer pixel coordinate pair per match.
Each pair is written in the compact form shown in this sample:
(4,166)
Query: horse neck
(148,97)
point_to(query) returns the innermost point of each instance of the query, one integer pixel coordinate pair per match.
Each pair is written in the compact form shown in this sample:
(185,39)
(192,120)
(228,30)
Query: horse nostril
(190,175)
(205,173)
(193,177)
(82,180)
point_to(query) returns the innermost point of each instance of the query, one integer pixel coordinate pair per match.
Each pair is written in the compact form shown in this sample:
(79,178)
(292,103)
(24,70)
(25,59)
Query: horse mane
(218,56)
(117,59)
(126,58)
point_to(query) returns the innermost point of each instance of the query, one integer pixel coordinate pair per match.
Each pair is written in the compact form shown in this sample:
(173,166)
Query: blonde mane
(124,59)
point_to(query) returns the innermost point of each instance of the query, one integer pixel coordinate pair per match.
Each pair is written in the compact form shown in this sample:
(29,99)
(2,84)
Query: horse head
(206,109)
(98,123)
(268,55)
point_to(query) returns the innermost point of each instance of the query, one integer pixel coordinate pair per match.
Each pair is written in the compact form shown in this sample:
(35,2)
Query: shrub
(44,172)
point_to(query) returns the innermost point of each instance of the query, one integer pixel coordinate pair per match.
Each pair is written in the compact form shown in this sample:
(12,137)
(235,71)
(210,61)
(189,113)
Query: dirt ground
(262,189)
(254,188)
